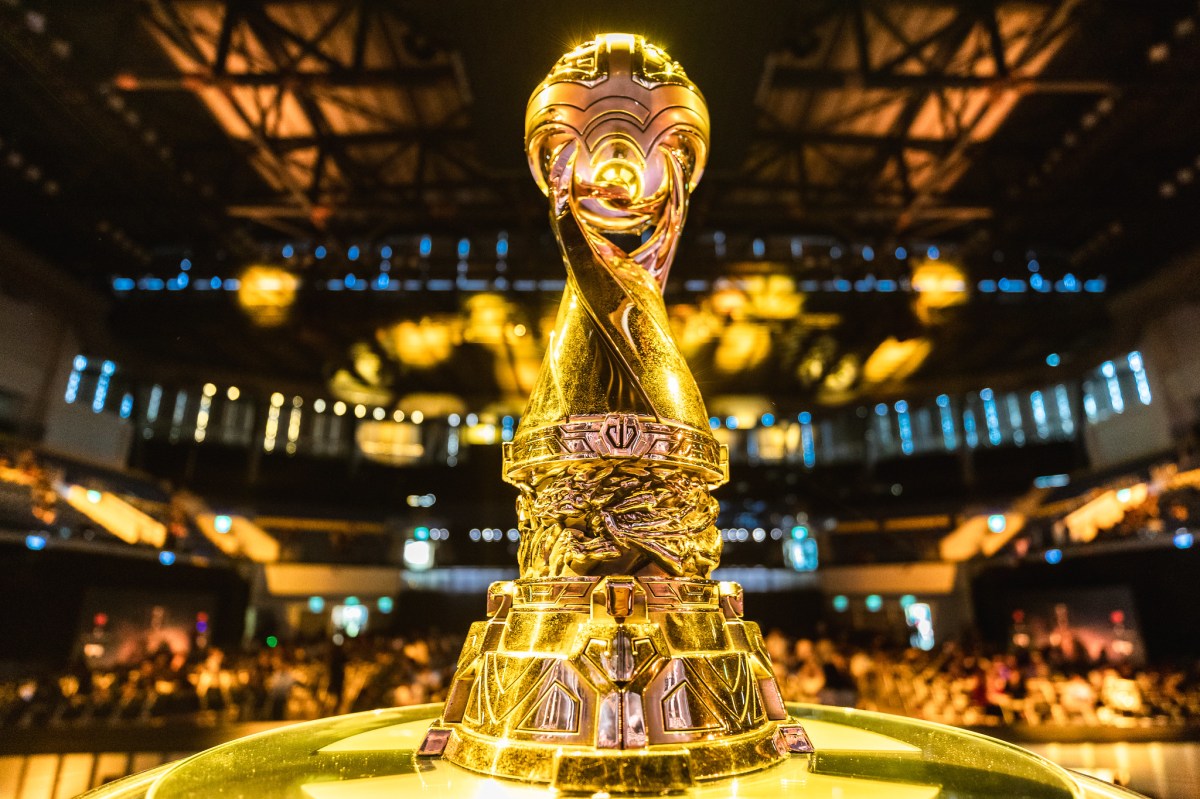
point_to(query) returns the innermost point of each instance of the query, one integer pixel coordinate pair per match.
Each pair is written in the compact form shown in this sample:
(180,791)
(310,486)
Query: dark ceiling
(138,133)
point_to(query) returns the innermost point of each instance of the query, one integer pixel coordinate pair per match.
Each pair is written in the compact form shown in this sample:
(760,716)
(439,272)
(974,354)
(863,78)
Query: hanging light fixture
(267,294)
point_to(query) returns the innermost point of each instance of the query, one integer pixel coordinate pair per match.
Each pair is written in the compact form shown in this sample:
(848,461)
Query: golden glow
(209,390)
(895,360)
(937,285)
(267,293)
(391,443)
(116,516)
(743,346)
(422,344)
(233,393)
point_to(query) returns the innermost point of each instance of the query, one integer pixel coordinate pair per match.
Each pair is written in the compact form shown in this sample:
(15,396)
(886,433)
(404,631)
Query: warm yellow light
(360,411)
(277,399)
(267,293)
(391,443)
(937,285)
(895,359)
(209,390)
(743,346)
(319,405)
(339,408)
(233,393)
(417,417)
(422,344)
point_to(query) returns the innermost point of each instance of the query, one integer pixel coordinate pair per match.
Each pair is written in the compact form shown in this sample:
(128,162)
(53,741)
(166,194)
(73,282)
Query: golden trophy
(614,665)
(614,662)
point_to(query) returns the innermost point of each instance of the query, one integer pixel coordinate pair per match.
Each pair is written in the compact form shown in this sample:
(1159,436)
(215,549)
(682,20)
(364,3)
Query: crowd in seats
(972,686)
(267,684)
(954,684)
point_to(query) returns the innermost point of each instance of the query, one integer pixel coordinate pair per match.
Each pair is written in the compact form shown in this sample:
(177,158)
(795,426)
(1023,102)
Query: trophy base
(376,755)
(615,683)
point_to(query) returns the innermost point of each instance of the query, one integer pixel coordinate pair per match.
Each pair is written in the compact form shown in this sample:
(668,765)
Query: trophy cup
(614,662)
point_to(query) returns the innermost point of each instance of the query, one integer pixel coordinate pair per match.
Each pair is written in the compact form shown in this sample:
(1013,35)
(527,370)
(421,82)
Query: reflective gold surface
(373,755)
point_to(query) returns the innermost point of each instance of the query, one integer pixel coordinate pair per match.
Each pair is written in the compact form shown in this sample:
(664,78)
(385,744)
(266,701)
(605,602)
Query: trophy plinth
(614,663)
(636,683)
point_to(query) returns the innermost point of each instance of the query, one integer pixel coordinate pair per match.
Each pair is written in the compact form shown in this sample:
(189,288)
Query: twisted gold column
(614,663)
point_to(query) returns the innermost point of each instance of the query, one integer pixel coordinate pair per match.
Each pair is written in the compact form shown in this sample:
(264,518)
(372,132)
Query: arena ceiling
(852,143)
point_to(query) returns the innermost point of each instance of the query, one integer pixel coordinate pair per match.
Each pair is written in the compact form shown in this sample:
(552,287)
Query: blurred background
(275,283)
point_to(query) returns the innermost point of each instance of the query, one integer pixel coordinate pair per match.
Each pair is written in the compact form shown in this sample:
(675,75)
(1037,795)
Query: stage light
(94,496)
(418,555)
(385,604)
(841,603)
(1184,539)
(1054,556)
(272,641)
(874,603)
(997,522)
(907,601)
(35,542)
(233,393)
(316,604)
(166,557)
(267,293)
(222,524)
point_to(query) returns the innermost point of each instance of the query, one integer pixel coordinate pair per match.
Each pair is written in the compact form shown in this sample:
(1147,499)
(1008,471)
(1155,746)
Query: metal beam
(299,79)
(849,80)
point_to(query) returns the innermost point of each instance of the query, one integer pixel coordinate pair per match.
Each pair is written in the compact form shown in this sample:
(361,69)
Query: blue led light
(1184,539)
(874,603)
(215,282)
(901,253)
(320,252)
(943,401)
(185,265)
(881,409)
(166,557)
(907,600)
(35,542)
(841,603)
(805,417)
(123,284)
(353,252)
(288,251)
(1033,265)
(768,419)
(901,406)
(1053,556)
(421,533)
(353,600)
(997,523)
(126,406)
(760,248)
(714,422)
(1053,359)
(223,524)
(868,253)
(731,422)
(425,247)
(385,604)
(316,604)
(464,248)
(934,253)
(350,280)
(385,251)
(986,395)
(382,282)
(799,532)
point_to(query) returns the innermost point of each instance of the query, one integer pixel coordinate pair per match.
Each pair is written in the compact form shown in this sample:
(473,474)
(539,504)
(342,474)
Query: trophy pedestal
(615,683)
(374,755)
